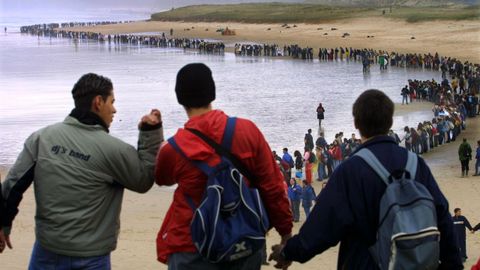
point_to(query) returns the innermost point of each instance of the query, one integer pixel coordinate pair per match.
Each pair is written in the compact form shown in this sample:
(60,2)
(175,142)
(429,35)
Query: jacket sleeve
(270,184)
(449,251)
(467,224)
(134,169)
(165,165)
(330,218)
(18,180)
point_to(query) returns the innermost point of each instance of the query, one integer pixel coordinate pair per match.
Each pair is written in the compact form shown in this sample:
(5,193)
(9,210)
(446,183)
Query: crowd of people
(163,41)
(451,109)
(463,71)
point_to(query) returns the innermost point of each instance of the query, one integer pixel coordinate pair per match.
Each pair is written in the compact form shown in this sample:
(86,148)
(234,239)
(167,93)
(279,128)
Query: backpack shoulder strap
(228,133)
(412,163)
(374,163)
(223,151)
(200,165)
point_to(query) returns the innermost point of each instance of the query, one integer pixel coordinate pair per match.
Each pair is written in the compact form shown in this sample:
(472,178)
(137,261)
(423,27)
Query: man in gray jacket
(79,174)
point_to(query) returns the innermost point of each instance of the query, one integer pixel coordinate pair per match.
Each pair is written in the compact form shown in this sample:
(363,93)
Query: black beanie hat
(195,86)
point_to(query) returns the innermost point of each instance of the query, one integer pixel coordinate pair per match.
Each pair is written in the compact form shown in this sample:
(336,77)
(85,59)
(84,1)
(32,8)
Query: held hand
(4,241)
(277,257)
(152,119)
(285,239)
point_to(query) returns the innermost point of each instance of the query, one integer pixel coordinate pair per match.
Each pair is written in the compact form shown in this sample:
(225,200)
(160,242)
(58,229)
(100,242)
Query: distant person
(171,31)
(320,116)
(460,223)
(298,164)
(308,197)
(309,140)
(405,92)
(464,155)
(295,196)
(309,158)
(347,209)
(287,158)
(195,91)
(80,173)
(477,157)
(321,142)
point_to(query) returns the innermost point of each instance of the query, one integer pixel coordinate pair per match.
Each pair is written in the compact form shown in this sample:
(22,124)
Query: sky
(153,5)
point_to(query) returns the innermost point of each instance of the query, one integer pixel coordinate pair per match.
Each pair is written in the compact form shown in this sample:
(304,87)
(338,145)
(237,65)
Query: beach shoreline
(444,37)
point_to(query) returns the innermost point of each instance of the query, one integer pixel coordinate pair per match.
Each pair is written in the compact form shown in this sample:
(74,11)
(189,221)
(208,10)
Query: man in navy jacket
(347,210)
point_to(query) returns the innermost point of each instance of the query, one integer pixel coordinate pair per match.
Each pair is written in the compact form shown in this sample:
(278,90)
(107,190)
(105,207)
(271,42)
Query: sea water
(280,95)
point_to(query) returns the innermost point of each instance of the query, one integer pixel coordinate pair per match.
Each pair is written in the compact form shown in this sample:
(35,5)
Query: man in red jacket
(195,90)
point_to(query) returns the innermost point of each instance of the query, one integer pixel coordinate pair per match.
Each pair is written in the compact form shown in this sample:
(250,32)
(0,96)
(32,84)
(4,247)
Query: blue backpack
(231,222)
(407,236)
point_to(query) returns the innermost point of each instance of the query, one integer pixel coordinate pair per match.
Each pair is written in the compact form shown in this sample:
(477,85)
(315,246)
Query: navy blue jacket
(347,210)
(295,192)
(308,195)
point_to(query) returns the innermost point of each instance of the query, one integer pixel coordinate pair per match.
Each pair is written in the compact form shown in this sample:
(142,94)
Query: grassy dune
(310,13)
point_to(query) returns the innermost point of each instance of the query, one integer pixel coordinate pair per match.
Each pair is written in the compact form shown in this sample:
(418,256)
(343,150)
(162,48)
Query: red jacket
(476,266)
(248,145)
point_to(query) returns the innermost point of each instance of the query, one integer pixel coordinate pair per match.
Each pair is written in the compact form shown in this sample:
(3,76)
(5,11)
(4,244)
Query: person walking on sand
(298,164)
(347,209)
(80,172)
(287,158)
(320,116)
(309,159)
(308,197)
(195,91)
(464,155)
(295,196)
(308,140)
(477,162)
(460,223)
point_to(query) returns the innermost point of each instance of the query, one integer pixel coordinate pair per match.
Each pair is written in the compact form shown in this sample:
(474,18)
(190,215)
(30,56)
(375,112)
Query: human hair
(456,210)
(478,142)
(297,153)
(88,87)
(285,149)
(373,113)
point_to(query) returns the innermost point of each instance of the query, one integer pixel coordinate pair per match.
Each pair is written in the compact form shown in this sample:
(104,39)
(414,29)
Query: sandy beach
(459,39)
(142,215)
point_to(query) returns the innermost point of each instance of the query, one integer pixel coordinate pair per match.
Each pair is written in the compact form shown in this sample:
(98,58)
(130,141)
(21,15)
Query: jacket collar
(88,118)
(376,140)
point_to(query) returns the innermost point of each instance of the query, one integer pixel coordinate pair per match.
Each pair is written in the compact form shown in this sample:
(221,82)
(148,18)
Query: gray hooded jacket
(79,173)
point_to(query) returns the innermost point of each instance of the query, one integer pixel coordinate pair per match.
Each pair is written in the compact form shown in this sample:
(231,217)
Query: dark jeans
(43,259)
(295,210)
(465,165)
(193,261)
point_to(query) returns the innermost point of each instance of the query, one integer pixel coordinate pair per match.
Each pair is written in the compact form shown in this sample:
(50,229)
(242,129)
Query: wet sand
(459,39)
(142,215)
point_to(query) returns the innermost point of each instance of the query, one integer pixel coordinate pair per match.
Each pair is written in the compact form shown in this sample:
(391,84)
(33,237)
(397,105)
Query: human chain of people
(384,58)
